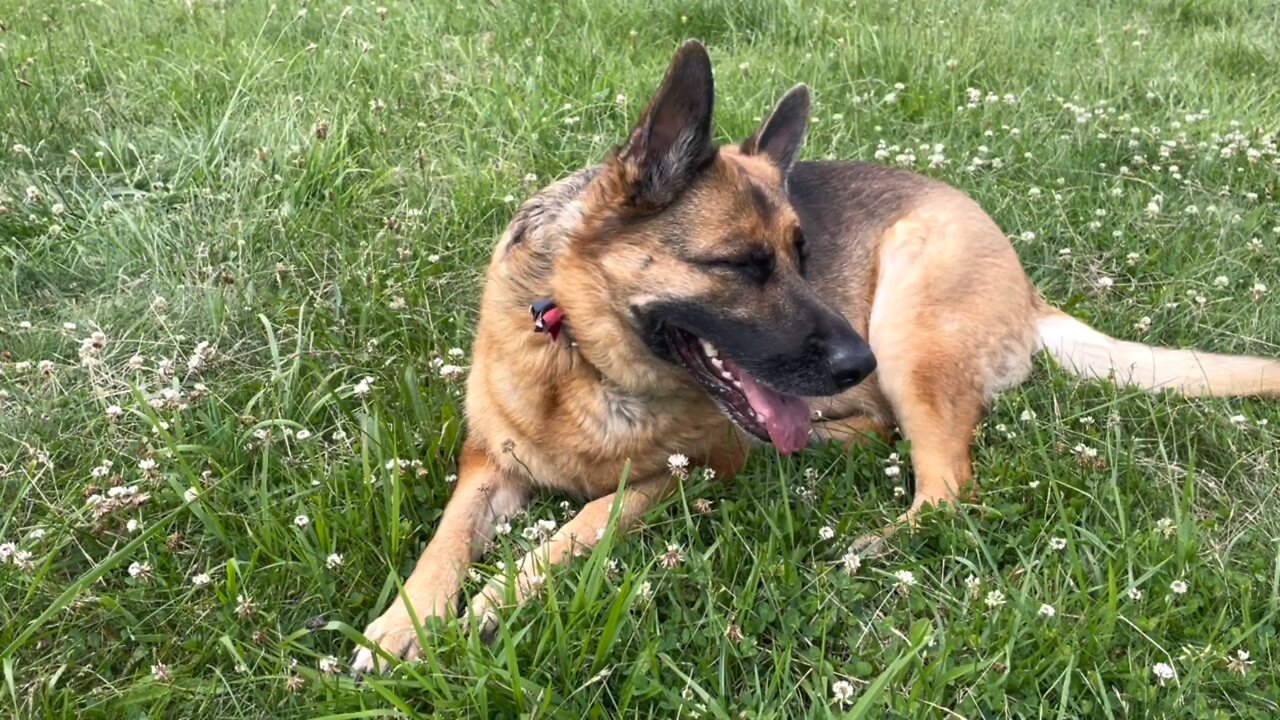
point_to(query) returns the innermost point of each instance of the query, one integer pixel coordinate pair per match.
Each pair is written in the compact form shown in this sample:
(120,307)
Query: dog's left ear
(672,142)
(779,137)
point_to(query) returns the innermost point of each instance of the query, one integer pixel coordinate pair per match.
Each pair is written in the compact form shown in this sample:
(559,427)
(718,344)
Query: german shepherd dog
(699,298)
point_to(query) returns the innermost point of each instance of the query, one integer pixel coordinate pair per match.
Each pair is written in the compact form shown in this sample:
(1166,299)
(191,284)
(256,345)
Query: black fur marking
(765,206)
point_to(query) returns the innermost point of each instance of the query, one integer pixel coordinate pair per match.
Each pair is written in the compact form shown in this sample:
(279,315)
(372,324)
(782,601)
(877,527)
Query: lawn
(240,251)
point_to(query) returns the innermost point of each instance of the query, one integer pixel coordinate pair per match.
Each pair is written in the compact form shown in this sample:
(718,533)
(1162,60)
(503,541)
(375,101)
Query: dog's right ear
(672,142)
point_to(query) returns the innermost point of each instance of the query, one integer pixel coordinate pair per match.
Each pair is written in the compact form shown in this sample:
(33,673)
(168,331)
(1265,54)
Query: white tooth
(726,375)
(760,417)
(708,348)
(717,363)
(737,384)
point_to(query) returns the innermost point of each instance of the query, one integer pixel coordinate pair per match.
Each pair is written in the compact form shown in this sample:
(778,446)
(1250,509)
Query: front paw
(395,634)
(483,614)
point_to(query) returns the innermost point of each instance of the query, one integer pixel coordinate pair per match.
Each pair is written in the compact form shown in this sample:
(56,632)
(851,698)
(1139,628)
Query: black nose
(850,363)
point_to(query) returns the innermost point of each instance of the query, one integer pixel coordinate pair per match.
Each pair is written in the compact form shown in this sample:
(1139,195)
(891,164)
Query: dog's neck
(520,276)
(524,260)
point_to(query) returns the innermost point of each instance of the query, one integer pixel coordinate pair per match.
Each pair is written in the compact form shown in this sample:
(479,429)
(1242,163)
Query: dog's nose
(850,363)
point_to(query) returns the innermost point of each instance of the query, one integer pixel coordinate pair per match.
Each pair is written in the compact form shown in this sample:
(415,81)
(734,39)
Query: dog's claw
(364,662)
(483,617)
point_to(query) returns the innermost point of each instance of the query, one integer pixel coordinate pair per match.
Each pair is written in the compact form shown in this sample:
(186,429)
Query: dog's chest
(622,414)
(614,432)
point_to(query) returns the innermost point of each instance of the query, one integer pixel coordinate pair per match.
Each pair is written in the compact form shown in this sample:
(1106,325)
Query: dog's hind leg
(952,323)
(574,538)
(482,498)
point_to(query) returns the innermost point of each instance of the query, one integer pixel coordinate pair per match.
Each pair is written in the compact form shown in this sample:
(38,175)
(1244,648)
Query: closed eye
(756,265)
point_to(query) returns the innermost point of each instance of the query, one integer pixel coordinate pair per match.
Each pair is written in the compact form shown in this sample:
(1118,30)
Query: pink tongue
(786,417)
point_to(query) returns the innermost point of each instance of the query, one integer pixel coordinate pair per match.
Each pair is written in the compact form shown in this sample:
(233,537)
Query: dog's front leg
(483,497)
(573,538)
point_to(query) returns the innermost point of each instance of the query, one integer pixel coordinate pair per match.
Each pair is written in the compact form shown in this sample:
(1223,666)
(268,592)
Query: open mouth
(762,411)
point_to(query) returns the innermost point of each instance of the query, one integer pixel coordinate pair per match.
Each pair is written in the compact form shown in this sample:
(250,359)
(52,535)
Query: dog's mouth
(770,415)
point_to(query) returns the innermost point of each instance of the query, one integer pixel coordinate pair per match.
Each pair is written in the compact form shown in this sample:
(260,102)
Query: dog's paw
(876,544)
(483,615)
(395,634)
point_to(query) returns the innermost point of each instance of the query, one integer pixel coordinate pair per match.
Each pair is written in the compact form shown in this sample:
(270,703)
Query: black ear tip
(692,56)
(693,48)
(798,97)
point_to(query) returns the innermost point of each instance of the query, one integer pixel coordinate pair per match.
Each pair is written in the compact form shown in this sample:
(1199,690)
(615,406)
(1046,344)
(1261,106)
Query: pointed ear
(779,137)
(672,142)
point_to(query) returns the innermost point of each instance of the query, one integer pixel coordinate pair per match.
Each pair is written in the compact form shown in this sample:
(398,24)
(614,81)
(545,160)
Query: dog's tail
(1087,353)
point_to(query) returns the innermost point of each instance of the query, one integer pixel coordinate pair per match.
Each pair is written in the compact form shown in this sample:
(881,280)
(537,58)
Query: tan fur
(915,267)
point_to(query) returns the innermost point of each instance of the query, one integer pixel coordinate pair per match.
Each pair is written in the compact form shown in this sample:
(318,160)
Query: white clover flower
(1240,663)
(1058,543)
(301,521)
(842,692)
(201,579)
(1047,611)
(1178,587)
(673,557)
(851,562)
(22,559)
(905,580)
(334,561)
(826,532)
(1163,672)
(995,599)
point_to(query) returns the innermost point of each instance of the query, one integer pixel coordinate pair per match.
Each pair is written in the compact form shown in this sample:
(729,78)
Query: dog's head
(684,261)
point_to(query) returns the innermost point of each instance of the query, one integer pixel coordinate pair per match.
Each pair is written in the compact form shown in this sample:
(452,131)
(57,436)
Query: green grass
(174,154)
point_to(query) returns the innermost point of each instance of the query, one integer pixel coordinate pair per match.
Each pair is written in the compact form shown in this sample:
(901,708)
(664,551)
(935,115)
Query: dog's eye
(757,264)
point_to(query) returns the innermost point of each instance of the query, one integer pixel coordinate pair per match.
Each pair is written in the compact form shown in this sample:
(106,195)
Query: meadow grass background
(312,190)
